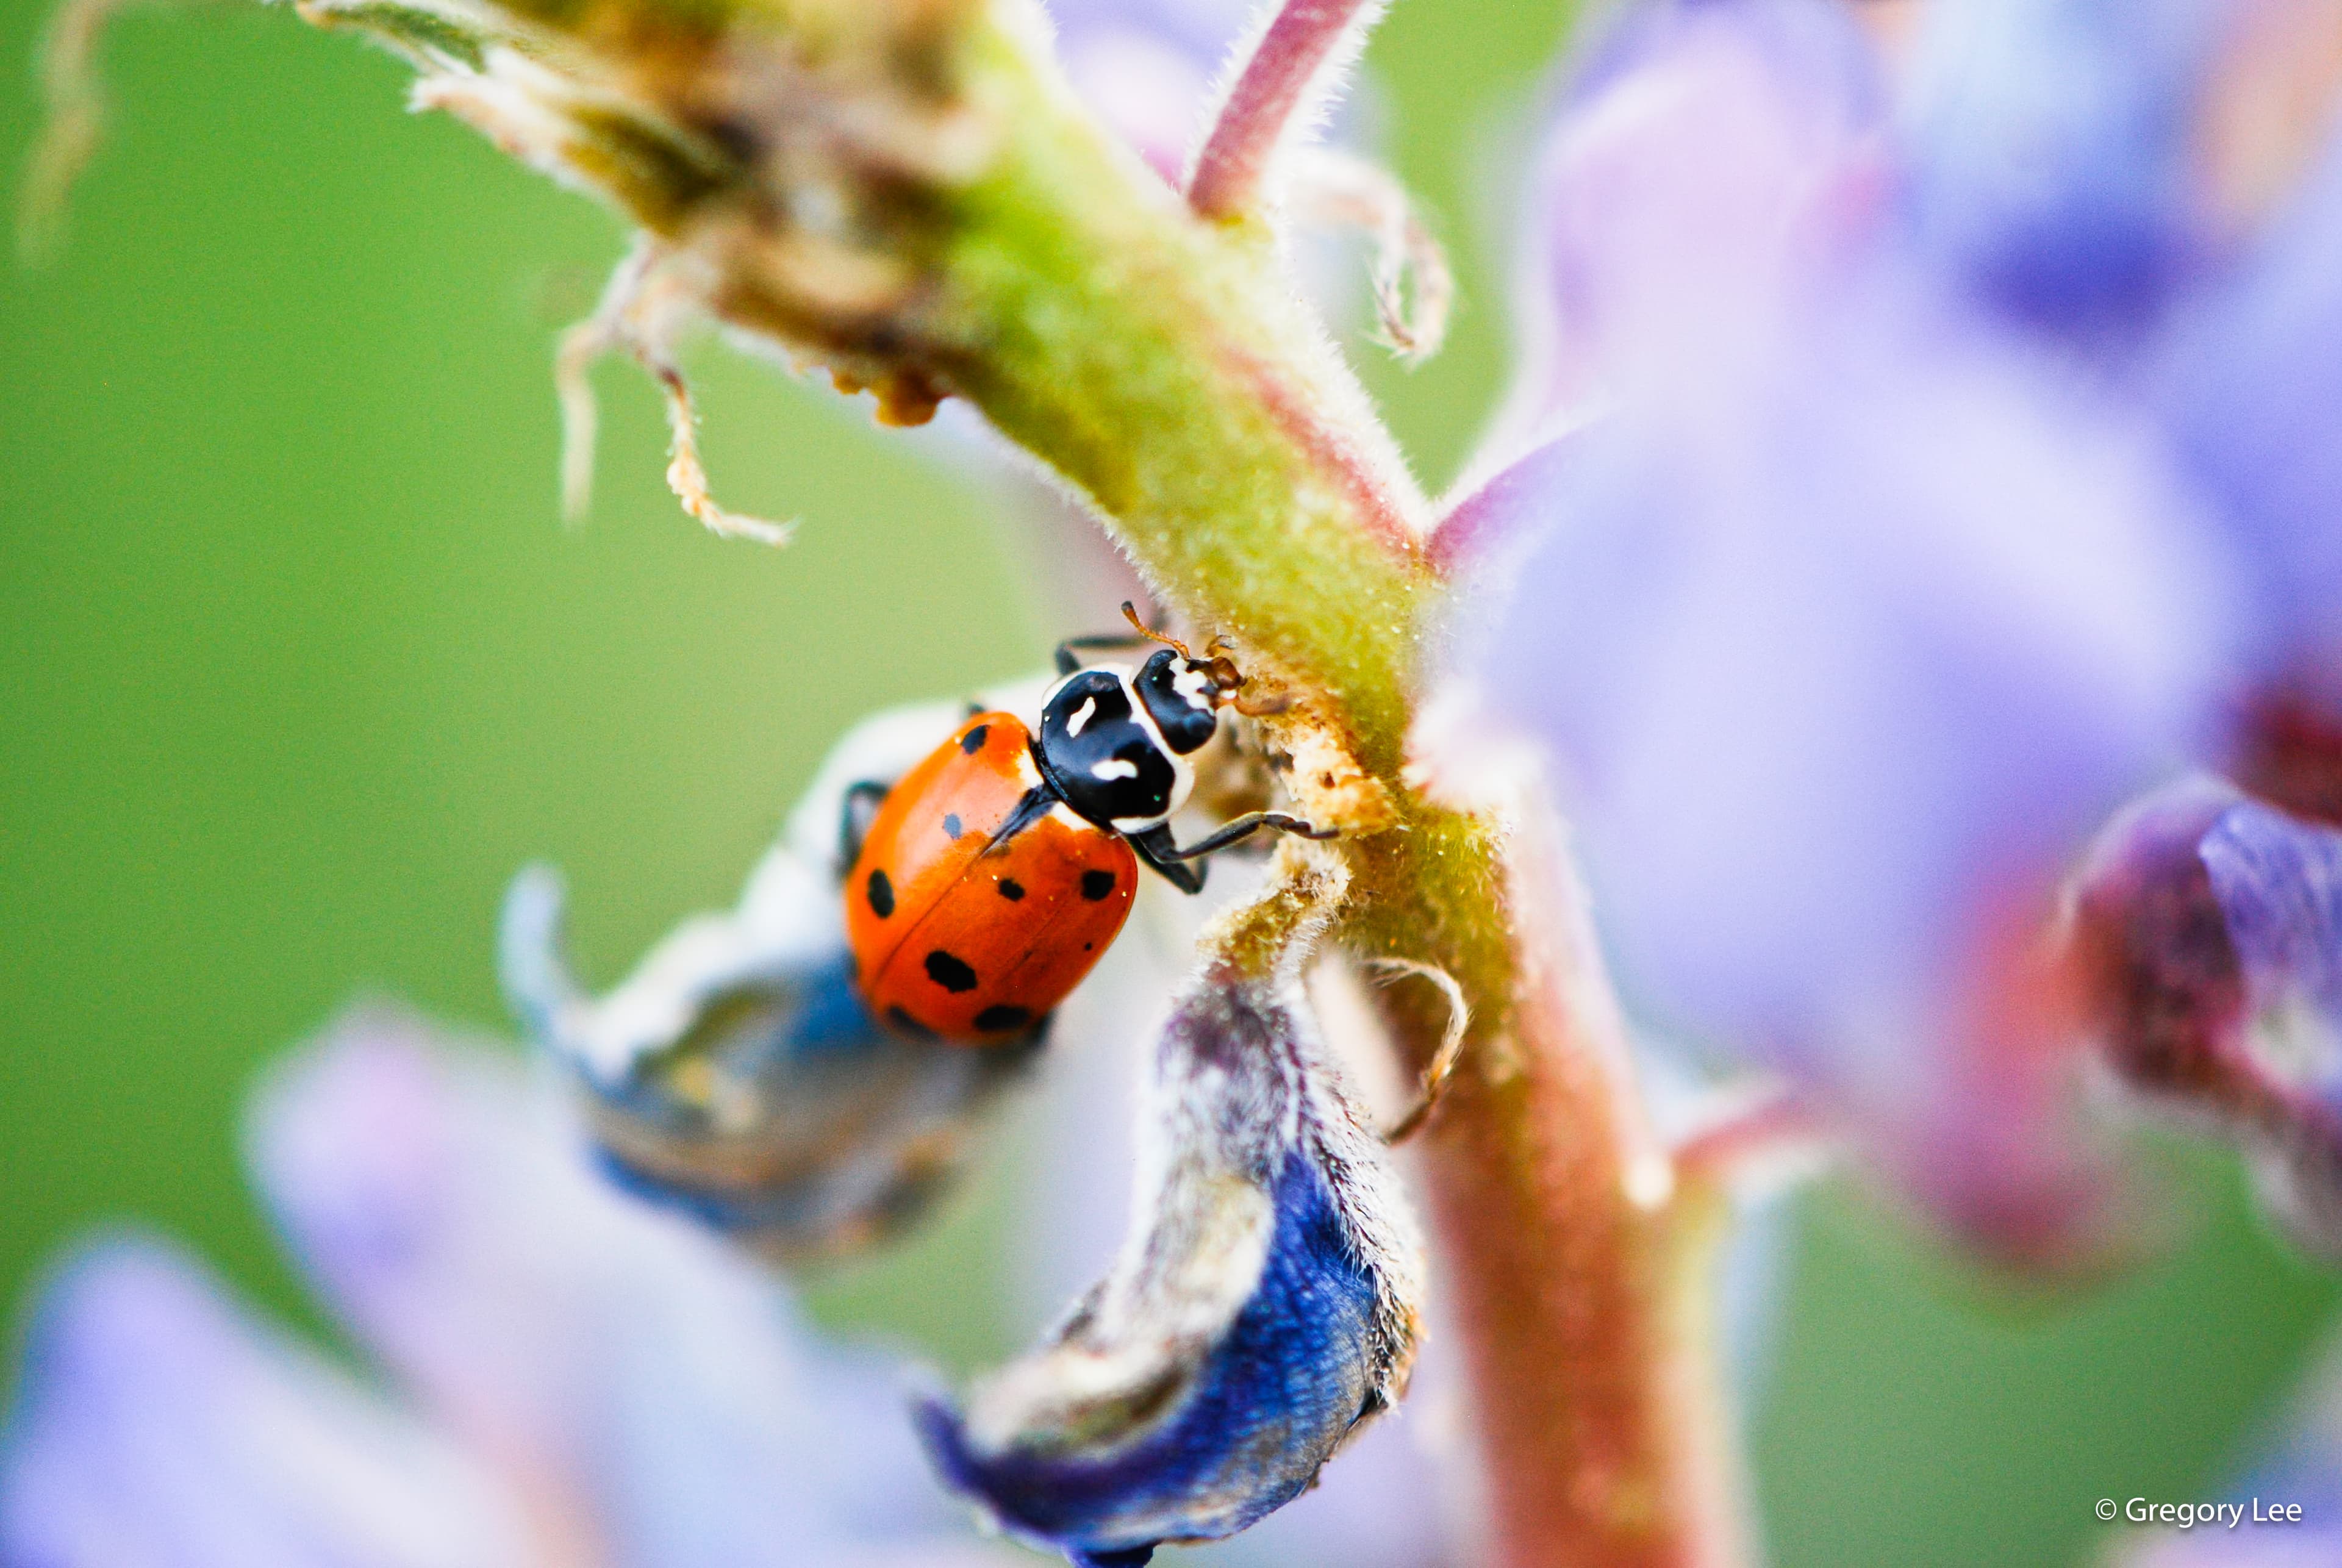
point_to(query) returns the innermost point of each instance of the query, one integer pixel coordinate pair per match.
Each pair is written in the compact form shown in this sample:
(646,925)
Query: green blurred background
(297,665)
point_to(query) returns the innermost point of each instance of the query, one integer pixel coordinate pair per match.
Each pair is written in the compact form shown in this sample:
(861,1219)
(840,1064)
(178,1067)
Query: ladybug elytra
(993,875)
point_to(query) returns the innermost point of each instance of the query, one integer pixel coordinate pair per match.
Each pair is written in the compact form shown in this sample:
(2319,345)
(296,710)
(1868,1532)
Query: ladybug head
(1183,697)
(1181,693)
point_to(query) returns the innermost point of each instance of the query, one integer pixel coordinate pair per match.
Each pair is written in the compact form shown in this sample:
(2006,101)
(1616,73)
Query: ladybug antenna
(1222,671)
(1130,613)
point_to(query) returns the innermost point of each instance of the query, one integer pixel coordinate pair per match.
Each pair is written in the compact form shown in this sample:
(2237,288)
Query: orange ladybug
(993,874)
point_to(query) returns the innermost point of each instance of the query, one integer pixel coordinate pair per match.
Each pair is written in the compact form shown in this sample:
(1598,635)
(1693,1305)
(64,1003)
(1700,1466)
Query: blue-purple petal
(1147,68)
(781,1112)
(2051,154)
(1204,29)
(1286,1378)
(443,1203)
(1700,153)
(1262,1311)
(1840,658)
(1385,1503)
(157,1425)
(2254,390)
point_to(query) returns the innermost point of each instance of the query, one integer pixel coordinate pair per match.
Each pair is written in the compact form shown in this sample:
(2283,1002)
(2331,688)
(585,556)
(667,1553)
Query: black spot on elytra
(1003,1017)
(973,742)
(881,894)
(951,824)
(1011,889)
(1096,885)
(908,1025)
(952,974)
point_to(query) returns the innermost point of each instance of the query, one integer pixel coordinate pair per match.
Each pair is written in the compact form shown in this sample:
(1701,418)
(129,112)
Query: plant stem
(1580,1283)
(1301,44)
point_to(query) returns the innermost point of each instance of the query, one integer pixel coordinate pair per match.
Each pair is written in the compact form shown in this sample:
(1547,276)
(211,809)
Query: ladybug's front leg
(1242,828)
(1156,848)
(1184,868)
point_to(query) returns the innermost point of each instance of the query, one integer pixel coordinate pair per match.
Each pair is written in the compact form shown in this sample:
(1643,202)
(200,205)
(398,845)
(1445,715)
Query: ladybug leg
(856,810)
(1244,827)
(1155,847)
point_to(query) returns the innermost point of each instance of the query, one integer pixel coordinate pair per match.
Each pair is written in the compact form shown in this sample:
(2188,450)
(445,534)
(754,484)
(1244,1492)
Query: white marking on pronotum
(1082,715)
(1114,768)
(1195,685)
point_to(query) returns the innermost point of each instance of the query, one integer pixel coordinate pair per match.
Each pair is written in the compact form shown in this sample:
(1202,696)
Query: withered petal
(1262,1310)
(737,1075)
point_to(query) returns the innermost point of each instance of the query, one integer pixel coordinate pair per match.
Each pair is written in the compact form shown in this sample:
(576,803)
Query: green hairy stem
(1157,363)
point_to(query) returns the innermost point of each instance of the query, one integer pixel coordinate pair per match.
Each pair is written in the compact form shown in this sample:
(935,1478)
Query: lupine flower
(578,1377)
(1877,437)
(1263,1309)
(557,1374)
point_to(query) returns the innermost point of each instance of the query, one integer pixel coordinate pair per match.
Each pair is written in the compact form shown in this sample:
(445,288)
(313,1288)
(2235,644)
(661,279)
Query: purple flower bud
(1262,1309)
(2208,930)
(2163,972)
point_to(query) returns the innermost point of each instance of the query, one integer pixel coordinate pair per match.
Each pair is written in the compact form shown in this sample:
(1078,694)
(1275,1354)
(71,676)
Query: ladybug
(992,876)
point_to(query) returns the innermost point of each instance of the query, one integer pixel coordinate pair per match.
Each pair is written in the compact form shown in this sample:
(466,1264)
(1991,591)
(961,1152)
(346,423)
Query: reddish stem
(1275,83)
(1582,1287)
